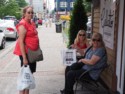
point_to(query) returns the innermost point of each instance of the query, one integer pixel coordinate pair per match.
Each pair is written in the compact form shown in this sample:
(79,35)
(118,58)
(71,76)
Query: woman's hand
(25,61)
(80,61)
(73,46)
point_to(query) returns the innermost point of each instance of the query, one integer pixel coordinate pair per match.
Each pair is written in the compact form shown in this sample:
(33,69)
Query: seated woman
(94,58)
(80,43)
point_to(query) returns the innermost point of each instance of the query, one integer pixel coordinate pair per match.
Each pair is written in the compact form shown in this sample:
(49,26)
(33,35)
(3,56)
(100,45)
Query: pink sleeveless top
(82,47)
(31,38)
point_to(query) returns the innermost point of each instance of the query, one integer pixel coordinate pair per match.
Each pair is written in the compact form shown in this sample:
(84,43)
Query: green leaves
(78,20)
(21,3)
(11,7)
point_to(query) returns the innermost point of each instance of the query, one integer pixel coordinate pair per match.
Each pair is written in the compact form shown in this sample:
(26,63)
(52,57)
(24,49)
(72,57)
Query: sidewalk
(50,72)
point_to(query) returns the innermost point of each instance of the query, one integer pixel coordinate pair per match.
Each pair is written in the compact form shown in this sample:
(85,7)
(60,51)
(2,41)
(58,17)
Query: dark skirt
(31,65)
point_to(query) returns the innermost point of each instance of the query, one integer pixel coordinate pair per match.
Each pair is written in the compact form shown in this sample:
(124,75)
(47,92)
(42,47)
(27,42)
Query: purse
(34,56)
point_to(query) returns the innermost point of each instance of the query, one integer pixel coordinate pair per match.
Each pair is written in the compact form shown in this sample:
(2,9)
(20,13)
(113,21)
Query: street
(50,72)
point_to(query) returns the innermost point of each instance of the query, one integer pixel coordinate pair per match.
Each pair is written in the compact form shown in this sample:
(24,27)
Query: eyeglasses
(30,12)
(97,40)
(82,35)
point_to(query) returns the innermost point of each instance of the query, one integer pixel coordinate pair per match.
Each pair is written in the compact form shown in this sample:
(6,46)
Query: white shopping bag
(69,56)
(25,79)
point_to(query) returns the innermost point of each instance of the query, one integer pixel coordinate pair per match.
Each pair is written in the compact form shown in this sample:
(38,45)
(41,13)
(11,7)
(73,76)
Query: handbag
(25,79)
(34,56)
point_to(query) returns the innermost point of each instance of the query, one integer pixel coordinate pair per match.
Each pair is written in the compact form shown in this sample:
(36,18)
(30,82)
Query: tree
(2,2)
(78,20)
(21,3)
(10,8)
(87,6)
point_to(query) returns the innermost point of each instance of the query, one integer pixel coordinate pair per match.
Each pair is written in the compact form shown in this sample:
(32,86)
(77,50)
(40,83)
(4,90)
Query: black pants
(71,74)
(31,65)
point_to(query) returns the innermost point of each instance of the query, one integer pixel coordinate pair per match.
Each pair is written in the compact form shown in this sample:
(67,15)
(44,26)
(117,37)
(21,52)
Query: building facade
(63,7)
(109,20)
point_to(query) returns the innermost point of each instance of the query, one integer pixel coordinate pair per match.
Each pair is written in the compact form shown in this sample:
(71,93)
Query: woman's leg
(31,65)
(71,76)
(74,66)
(26,91)
(22,92)
(32,68)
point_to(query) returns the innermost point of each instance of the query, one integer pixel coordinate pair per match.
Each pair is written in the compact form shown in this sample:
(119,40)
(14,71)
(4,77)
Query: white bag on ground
(25,79)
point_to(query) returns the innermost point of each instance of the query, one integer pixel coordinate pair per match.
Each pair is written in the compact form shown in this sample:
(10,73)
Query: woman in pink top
(28,38)
(80,43)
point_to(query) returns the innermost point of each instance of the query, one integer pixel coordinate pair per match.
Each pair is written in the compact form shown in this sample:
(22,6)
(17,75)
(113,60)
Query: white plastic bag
(25,79)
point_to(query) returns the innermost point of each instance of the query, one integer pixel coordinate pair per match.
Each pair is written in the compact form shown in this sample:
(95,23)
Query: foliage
(87,6)
(21,3)
(88,0)
(10,8)
(2,2)
(78,20)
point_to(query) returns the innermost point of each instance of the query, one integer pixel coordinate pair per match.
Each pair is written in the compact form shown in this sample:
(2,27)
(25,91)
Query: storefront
(108,19)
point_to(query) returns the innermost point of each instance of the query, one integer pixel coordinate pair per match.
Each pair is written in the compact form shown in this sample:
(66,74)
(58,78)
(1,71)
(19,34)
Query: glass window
(63,4)
(71,4)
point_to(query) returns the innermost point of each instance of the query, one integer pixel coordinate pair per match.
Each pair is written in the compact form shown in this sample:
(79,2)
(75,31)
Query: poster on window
(69,56)
(107,21)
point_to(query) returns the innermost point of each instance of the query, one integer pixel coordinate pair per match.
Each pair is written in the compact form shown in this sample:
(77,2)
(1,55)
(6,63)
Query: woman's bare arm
(91,61)
(22,33)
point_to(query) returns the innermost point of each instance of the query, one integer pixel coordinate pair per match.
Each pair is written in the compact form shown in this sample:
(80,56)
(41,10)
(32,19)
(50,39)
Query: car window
(1,31)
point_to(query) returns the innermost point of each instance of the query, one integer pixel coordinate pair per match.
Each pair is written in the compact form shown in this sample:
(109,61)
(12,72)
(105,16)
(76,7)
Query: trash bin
(58,27)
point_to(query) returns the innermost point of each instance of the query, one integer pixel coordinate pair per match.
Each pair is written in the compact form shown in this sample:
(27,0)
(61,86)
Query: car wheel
(16,37)
(3,43)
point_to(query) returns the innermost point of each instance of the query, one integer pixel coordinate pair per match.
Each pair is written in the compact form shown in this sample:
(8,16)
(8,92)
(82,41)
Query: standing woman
(28,38)
(80,43)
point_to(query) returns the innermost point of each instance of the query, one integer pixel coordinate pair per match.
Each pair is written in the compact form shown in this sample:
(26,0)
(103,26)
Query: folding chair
(93,83)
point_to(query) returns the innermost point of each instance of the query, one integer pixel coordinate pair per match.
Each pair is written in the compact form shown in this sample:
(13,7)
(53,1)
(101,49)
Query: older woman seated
(93,59)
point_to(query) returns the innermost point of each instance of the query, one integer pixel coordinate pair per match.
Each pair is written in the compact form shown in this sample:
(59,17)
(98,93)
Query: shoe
(66,92)
(62,91)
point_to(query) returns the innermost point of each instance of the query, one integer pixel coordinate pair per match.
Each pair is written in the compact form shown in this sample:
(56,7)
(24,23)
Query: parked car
(40,21)
(11,18)
(9,28)
(2,40)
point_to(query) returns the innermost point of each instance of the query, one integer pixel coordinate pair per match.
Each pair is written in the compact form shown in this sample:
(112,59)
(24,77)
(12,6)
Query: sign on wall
(107,21)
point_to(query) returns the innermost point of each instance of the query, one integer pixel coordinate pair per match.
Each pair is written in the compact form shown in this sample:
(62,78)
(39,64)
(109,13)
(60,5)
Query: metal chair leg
(76,87)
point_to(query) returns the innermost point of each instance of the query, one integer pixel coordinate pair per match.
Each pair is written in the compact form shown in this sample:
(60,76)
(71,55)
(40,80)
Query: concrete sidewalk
(50,72)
